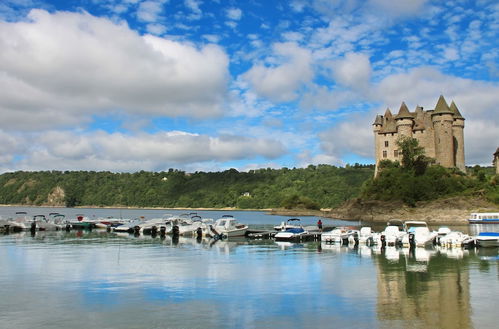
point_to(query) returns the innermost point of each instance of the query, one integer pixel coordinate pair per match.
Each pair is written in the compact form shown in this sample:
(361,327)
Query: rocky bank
(455,210)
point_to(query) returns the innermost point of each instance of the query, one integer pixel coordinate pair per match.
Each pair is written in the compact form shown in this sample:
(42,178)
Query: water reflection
(127,281)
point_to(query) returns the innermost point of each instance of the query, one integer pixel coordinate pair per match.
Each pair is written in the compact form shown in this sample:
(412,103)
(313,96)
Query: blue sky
(209,85)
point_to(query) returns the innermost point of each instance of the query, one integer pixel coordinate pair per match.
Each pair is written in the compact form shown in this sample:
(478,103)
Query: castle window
(384,154)
(396,153)
(386,143)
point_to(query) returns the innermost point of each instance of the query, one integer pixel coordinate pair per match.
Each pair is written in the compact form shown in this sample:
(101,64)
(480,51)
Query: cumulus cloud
(63,150)
(354,71)
(280,81)
(67,66)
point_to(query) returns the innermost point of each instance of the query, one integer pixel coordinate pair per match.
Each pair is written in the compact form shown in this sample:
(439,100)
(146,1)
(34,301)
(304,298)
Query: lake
(96,279)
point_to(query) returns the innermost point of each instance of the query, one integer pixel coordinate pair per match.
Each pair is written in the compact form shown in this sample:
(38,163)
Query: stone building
(496,160)
(439,131)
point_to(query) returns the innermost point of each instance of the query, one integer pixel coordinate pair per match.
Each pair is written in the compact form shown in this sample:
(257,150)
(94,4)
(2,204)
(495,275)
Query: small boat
(366,236)
(82,222)
(391,235)
(290,223)
(484,218)
(227,226)
(487,239)
(455,239)
(336,235)
(418,237)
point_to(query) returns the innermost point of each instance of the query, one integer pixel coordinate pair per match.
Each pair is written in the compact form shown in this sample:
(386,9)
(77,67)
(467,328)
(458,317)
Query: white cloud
(61,68)
(193,5)
(150,11)
(354,71)
(234,14)
(64,150)
(281,82)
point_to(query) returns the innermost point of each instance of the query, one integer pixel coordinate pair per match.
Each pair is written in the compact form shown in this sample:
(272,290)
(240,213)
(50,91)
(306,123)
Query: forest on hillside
(314,187)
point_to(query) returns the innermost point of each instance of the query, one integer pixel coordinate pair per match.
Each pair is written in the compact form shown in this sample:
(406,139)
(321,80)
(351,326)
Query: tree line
(314,187)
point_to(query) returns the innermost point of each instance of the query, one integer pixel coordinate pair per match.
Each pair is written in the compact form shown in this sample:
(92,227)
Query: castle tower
(378,123)
(458,133)
(443,120)
(404,121)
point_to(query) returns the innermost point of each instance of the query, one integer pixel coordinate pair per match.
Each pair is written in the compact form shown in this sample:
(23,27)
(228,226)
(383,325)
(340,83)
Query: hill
(314,187)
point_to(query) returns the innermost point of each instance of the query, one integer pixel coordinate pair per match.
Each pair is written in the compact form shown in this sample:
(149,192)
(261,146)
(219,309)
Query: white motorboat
(455,239)
(227,226)
(418,237)
(417,234)
(290,223)
(487,239)
(22,222)
(45,224)
(391,236)
(336,235)
(366,236)
(128,227)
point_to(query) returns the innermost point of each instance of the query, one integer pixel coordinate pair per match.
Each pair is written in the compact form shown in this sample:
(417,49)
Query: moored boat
(487,239)
(227,226)
(484,218)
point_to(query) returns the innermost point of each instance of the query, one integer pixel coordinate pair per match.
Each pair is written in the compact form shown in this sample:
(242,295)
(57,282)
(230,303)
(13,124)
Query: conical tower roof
(404,112)
(442,107)
(378,120)
(457,114)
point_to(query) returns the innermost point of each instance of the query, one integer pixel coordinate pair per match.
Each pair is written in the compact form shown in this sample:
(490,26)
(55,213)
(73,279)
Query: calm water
(103,280)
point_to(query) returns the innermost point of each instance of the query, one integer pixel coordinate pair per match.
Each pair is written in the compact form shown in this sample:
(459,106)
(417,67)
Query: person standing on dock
(319,225)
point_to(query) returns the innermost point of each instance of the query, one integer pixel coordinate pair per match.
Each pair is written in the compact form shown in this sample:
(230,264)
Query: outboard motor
(68,227)
(383,240)
(199,232)
(162,230)
(136,229)
(33,227)
(175,230)
(7,229)
(154,230)
(412,240)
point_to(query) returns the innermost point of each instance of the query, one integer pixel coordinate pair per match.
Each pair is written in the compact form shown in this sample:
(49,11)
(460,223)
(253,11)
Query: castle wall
(391,140)
(444,140)
(458,146)
(426,139)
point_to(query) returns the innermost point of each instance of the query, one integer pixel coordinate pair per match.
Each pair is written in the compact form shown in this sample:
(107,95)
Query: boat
(292,232)
(290,223)
(366,236)
(228,226)
(129,226)
(391,235)
(336,235)
(487,239)
(82,222)
(484,218)
(417,234)
(455,239)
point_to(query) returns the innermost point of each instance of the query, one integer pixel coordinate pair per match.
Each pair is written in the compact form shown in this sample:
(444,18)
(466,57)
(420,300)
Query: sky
(209,85)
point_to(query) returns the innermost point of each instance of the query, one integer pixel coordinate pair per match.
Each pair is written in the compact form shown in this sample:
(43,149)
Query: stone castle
(439,131)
